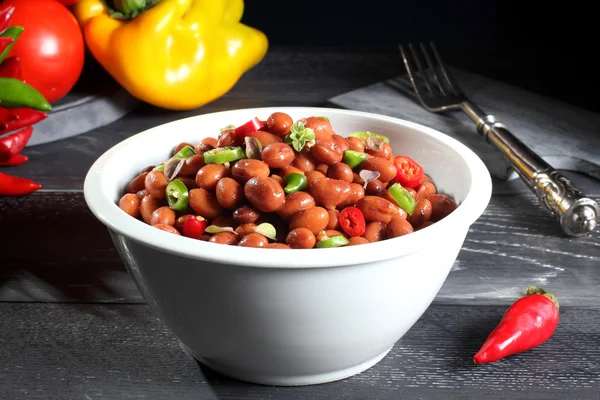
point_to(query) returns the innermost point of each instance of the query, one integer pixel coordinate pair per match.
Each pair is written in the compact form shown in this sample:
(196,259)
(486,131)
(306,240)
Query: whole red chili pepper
(5,16)
(16,118)
(528,323)
(15,160)
(11,67)
(15,142)
(15,186)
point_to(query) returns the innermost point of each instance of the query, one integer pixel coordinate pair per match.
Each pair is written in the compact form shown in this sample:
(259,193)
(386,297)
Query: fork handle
(577,213)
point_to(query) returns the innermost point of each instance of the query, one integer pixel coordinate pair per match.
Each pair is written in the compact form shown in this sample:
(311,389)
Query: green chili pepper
(13,32)
(403,197)
(185,152)
(223,155)
(14,93)
(333,241)
(354,158)
(295,182)
(177,195)
(363,135)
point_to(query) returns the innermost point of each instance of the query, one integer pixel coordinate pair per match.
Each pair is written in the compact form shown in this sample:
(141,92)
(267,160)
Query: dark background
(544,48)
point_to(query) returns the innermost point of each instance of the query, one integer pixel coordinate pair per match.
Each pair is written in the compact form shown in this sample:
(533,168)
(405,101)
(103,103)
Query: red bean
(279,123)
(301,238)
(314,219)
(265,194)
(327,151)
(130,203)
(155,184)
(329,192)
(246,169)
(278,155)
(229,192)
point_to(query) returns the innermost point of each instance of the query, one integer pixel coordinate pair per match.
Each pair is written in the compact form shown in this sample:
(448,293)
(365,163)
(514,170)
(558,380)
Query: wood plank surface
(92,352)
(57,261)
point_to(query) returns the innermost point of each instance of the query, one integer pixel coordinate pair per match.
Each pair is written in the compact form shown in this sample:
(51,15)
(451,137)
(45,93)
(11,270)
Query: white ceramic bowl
(290,317)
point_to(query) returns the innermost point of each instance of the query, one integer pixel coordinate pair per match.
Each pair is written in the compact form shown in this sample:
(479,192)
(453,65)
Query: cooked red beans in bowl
(279,183)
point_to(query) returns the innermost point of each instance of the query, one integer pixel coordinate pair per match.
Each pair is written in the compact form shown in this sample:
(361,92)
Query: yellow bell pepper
(179,54)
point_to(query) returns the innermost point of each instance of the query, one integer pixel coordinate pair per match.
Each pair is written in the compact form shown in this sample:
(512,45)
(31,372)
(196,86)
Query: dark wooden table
(74,326)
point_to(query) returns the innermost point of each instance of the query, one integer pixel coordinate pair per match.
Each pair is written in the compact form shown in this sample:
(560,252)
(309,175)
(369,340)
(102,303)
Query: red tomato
(51,47)
(352,221)
(69,2)
(410,174)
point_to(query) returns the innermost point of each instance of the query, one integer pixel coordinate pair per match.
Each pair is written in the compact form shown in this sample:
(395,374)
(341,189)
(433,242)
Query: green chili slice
(223,155)
(177,195)
(403,197)
(354,158)
(333,241)
(363,135)
(185,152)
(295,182)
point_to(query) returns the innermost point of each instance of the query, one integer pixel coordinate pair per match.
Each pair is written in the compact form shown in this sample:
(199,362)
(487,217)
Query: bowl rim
(470,209)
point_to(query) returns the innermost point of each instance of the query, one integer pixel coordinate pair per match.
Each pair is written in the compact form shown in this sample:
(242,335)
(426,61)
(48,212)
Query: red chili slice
(194,227)
(352,221)
(249,127)
(410,173)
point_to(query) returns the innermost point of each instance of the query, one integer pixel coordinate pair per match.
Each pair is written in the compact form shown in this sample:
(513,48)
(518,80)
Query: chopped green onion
(177,195)
(225,128)
(218,229)
(354,158)
(295,182)
(333,241)
(160,167)
(185,152)
(403,197)
(223,155)
(363,135)
(267,230)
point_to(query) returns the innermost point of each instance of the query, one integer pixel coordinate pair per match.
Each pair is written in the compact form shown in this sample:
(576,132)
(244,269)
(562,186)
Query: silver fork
(438,91)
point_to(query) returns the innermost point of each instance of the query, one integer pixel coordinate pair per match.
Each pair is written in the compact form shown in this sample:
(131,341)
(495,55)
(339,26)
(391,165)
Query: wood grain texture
(54,250)
(123,352)
(514,244)
(563,135)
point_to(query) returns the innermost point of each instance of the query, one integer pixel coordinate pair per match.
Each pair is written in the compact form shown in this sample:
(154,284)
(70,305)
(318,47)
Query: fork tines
(433,83)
